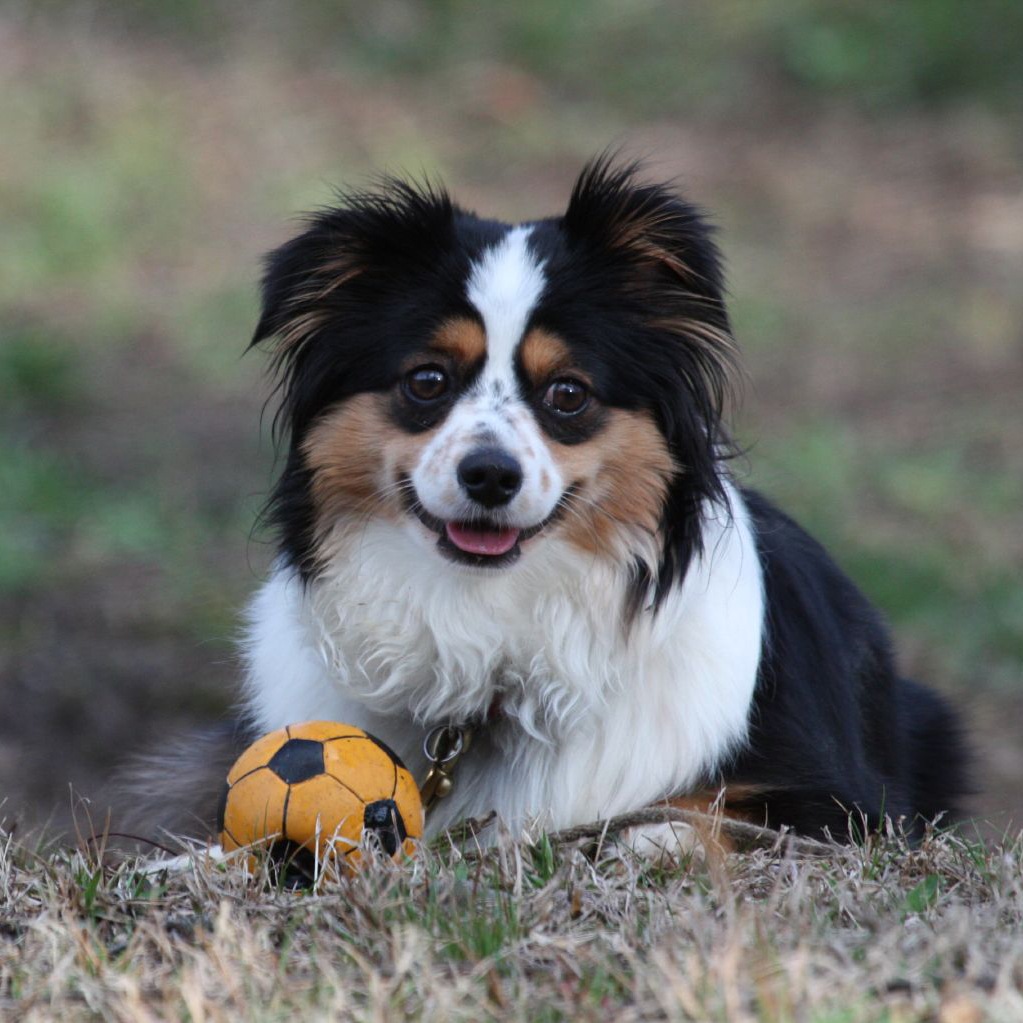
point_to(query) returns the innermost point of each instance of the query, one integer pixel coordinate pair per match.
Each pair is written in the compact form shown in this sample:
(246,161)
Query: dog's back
(508,503)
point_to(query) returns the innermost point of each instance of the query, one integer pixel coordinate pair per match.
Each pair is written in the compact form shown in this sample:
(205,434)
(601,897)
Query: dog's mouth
(485,541)
(480,542)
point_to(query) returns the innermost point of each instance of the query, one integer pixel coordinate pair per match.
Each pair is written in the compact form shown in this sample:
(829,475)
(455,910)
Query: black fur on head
(633,284)
(635,275)
(344,301)
(352,289)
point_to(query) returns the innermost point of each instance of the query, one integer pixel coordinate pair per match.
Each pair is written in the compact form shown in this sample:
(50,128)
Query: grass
(863,167)
(910,558)
(652,56)
(527,931)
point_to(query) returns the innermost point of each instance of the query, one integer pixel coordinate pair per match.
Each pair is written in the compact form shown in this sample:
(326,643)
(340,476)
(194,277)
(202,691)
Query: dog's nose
(490,476)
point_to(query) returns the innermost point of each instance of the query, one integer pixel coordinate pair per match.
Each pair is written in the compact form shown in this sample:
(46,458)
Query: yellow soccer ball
(309,795)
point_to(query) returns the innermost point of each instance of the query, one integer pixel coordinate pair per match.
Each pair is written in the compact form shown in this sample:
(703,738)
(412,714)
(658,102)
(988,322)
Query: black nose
(490,477)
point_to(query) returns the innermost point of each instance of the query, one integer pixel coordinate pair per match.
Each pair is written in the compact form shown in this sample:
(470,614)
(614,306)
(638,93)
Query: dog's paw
(667,843)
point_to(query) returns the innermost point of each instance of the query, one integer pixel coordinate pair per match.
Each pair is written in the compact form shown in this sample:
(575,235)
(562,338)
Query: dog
(509,506)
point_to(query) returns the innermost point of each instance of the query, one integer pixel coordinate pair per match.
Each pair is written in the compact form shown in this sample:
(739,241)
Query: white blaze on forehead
(504,286)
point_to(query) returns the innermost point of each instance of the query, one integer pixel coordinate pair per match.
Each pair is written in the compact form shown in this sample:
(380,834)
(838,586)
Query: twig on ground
(743,835)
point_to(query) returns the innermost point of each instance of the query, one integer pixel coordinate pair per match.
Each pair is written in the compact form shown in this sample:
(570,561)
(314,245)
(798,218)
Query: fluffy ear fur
(338,307)
(662,248)
(676,265)
(394,224)
(322,284)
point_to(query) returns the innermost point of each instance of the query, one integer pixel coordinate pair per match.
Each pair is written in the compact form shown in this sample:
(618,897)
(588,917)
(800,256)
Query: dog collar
(444,746)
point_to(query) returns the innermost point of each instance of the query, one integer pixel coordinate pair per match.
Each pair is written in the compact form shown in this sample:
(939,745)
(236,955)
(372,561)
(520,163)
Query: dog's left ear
(611,207)
(665,250)
(661,255)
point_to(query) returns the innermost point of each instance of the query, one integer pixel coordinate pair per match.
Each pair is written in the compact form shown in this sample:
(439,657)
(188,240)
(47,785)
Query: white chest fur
(596,718)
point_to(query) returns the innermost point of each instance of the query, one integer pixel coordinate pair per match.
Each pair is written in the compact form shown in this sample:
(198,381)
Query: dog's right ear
(299,280)
(327,292)
(376,233)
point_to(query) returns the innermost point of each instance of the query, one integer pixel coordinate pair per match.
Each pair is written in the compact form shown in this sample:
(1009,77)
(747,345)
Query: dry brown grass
(874,265)
(541,931)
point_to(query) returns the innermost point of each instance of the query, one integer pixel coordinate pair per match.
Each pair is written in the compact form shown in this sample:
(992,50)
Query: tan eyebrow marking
(544,354)
(461,338)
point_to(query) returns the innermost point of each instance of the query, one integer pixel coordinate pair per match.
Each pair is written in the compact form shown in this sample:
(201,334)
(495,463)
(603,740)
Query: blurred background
(863,160)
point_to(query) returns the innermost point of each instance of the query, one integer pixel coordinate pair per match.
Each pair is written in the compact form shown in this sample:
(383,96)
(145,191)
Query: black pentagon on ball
(383,819)
(297,760)
(291,865)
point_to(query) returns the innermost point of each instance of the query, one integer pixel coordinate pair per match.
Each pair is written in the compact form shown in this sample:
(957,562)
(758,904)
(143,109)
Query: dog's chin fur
(597,715)
(654,628)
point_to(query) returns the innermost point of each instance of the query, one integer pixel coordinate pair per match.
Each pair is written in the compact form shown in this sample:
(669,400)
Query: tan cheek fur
(356,455)
(623,475)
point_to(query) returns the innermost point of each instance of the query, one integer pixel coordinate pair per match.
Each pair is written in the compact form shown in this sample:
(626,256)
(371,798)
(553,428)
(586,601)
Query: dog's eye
(427,383)
(566,397)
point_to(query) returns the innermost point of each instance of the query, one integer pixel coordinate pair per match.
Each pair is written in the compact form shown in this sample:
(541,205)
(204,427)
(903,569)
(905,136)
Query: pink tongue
(482,541)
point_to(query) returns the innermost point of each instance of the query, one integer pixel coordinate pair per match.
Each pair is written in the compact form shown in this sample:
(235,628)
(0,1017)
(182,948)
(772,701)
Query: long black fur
(838,739)
(634,286)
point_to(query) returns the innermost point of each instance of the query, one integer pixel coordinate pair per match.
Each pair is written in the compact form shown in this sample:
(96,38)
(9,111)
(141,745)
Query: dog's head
(486,389)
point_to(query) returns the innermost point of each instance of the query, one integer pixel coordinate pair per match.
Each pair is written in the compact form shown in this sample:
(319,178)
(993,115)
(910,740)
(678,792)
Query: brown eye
(566,397)
(427,383)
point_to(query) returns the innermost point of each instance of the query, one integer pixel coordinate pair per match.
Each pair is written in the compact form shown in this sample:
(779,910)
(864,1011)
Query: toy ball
(311,794)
